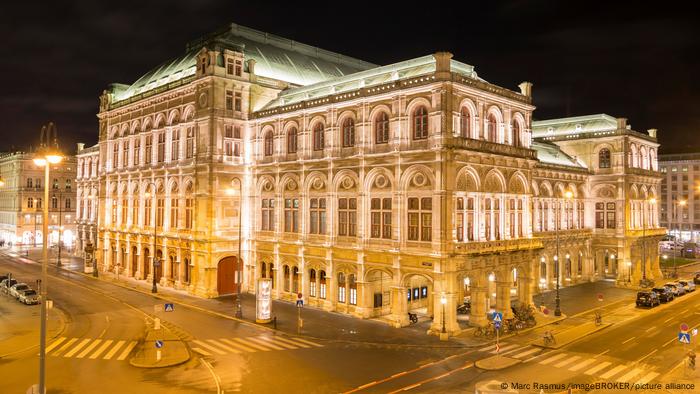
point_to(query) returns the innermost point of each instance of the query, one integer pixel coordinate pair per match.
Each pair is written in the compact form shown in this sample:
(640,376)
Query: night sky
(624,59)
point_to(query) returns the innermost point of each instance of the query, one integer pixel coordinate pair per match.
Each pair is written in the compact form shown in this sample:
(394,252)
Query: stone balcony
(638,232)
(571,233)
(499,246)
(492,147)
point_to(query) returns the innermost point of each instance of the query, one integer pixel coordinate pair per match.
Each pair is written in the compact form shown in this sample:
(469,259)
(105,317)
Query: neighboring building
(87,186)
(21,201)
(372,190)
(681,182)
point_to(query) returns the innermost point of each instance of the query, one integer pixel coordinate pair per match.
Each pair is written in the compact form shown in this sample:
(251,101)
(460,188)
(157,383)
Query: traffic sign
(695,331)
(497,317)
(600,296)
(159,343)
(300,303)
(497,325)
(498,347)
(684,327)
(684,337)
(169,307)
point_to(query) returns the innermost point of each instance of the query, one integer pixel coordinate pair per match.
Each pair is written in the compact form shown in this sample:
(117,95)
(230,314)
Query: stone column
(503,298)
(479,295)
(399,306)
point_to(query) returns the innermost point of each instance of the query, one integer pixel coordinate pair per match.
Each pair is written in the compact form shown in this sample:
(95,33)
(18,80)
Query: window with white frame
(465,123)
(605,215)
(348,133)
(149,149)
(347,217)
(420,123)
(175,145)
(419,219)
(352,287)
(137,151)
(268,214)
(161,147)
(341,287)
(381,128)
(291,215)
(318,137)
(317,216)
(189,151)
(380,216)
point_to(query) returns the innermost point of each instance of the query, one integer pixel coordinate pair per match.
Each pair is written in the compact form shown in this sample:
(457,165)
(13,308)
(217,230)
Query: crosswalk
(261,343)
(91,348)
(590,366)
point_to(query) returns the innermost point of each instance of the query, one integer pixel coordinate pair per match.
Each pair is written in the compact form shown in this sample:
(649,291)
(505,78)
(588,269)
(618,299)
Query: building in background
(87,185)
(680,195)
(21,201)
(371,190)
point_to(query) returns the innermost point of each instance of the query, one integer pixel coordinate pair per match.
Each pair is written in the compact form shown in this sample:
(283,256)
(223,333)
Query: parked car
(676,289)
(647,298)
(17,288)
(29,297)
(665,294)
(690,249)
(688,285)
(696,279)
(6,284)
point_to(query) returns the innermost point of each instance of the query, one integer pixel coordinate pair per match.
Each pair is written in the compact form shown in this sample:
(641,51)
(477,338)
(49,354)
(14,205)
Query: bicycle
(598,319)
(486,331)
(548,339)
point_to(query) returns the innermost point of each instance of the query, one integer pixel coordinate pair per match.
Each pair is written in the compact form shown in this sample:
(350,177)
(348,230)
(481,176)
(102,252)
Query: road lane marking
(487,348)
(433,378)
(305,341)
(102,348)
(506,348)
(54,344)
(265,343)
(684,311)
(217,379)
(566,362)
(285,340)
(89,348)
(582,364)
(253,345)
(114,350)
(650,328)
(526,353)
(223,346)
(647,378)
(613,372)
(624,342)
(553,358)
(272,341)
(629,375)
(597,368)
(647,355)
(77,348)
(238,345)
(201,351)
(601,353)
(65,346)
(209,347)
(669,319)
(126,351)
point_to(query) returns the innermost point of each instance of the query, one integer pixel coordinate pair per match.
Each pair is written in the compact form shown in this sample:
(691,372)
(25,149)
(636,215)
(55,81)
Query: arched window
(292,140)
(295,280)
(322,284)
(319,143)
(341,287)
(381,128)
(515,138)
(29,182)
(312,282)
(420,123)
(348,133)
(268,144)
(465,120)
(286,278)
(604,158)
(30,202)
(491,129)
(352,300)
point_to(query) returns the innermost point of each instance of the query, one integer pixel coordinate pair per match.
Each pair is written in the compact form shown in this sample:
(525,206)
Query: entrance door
(226,276)
(134,260)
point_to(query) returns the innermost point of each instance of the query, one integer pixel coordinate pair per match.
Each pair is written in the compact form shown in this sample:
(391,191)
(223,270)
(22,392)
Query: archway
(146,263)
(419,294)
(379,285)
(158,269)
(226,276)
(134,261)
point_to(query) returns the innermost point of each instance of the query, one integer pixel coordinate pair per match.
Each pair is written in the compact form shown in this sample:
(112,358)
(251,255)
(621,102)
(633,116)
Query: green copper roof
(573,125)
(549,153)
(367,78)
(276,57)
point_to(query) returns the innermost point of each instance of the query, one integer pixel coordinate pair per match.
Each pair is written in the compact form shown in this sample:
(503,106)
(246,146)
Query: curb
(559,345)
(507,362)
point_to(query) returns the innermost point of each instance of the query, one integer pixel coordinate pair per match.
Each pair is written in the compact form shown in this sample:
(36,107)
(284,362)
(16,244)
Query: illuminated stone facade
(21,201)
(370,190)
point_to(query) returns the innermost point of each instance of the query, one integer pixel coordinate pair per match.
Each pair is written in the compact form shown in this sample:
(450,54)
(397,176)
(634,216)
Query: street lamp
(443,301)
(231,192)
(629,272)
(156,262)
(47,154)
(568,195)
(643,282)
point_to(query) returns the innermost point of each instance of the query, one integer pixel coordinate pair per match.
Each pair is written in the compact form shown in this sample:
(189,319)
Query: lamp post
(156,263)
(629,272)
(443,301)
(230,192)
(567,195)
(643,282)
(47,154)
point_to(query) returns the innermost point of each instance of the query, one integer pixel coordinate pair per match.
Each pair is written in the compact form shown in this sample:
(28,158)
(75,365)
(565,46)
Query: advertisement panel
(263,301)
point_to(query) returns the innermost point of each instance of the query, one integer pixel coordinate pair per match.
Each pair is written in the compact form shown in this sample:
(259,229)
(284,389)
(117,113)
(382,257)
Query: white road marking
(223,346)
(54,344)
(649,329)
(567,361)
(77,348)
(126,351)
(684,310)
(209,347)
(114,350)
(201,351)
(506,348)
(305,341)
(601,353)
(487,348)
(102,348)
(597,368)
(298,344)
(65,346)
(238,345)
(669,319)
(613,372)
(629,375)
(553,358)
(89,348)
(627,340)
(582,364)
(265,343)
(253,345)
(280,343)
(647,378)
(648,354)
(523,354)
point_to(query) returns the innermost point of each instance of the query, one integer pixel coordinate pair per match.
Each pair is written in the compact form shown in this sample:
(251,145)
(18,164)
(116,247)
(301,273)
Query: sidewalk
(19,326)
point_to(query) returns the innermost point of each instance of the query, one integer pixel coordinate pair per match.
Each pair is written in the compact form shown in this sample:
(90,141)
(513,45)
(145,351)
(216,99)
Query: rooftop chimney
(621,123)
(442,64)
(81,146)
(526,88)
(652,133)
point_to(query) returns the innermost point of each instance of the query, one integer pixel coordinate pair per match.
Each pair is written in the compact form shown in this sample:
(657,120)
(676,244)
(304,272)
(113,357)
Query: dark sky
(625,59)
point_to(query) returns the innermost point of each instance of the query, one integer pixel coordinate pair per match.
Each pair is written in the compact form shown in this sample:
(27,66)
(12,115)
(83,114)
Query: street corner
(570,335)
(495,363)
(160,353)
(58,319)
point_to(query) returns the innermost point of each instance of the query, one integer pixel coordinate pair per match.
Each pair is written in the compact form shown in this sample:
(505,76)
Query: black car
(664,293)
(647,298)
